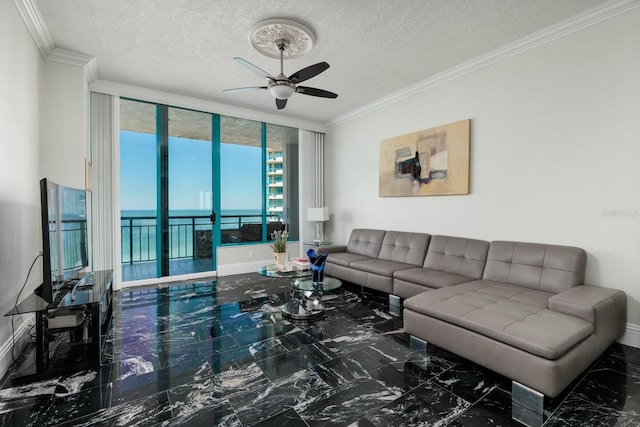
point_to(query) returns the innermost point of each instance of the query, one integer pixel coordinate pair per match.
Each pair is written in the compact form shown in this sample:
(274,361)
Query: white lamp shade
(318,214)
(281,91)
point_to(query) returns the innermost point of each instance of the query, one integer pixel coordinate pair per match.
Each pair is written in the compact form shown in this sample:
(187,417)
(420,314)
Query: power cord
(32,333)
(13,332)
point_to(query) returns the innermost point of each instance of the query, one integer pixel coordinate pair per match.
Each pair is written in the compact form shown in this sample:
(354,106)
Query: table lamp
(319,215)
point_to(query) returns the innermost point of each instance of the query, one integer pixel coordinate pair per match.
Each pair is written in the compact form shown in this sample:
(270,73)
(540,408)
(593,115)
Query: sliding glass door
(189,245)
(241,172)
(138,190)
(166,191)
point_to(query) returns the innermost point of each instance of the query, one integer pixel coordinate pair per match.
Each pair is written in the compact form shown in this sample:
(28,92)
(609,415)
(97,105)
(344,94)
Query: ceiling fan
(281,86)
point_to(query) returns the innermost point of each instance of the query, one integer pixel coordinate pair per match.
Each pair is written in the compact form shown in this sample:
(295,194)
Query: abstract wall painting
(430,162)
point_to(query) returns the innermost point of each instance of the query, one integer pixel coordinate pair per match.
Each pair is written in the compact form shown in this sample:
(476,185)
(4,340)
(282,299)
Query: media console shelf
(85,311)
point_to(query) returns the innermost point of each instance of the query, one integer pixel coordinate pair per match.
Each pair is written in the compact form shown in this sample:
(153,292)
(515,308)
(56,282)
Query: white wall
(555,154)
(21,70)
(64,124)
(43,132)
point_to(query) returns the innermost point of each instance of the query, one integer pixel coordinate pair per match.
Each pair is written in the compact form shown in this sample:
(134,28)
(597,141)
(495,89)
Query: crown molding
(578,22)
(30,14)
(33,20)
(91,70)
(69,57)
(88,62)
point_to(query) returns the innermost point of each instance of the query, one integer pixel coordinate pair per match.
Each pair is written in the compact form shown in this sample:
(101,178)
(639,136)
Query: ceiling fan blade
(308,72)
(281,103)
(305,90)
(245,89)
(254,68)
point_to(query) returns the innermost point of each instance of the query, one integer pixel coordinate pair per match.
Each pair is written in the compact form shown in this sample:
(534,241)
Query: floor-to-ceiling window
(138,189)
(190,192)
(165,191)
(282,176)
(259,176)
(240,180)
(178,167)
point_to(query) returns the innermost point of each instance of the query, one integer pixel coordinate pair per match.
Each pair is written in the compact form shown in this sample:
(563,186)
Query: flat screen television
(64,236)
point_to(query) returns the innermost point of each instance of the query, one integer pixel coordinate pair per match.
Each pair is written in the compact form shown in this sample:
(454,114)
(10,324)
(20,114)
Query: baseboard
(242,268)
(170,280)
(631,336)
(21,337)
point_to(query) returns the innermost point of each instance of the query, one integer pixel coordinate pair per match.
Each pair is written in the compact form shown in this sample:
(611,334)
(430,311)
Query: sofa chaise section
(449,261)
(529,318)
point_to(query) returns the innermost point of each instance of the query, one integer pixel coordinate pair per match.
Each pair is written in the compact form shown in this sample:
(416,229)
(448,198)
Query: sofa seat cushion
(345,258)
(430,278)
(380,267)
(514,315)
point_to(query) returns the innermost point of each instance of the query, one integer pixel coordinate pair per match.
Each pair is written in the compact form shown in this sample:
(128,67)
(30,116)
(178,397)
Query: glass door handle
(213,217)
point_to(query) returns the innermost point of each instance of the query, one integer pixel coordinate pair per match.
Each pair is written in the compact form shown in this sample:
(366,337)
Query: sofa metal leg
(395,305)
(417,344)
(527,405)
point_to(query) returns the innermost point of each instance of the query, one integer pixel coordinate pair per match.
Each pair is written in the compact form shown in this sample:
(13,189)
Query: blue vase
(316,263)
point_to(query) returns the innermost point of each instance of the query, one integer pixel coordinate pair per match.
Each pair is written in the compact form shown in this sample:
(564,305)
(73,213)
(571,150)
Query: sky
(190,173)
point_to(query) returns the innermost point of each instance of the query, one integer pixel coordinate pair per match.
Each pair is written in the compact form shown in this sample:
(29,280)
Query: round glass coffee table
(307,297)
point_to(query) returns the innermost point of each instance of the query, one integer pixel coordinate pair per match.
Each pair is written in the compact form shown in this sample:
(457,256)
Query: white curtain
(319,169)
(102,195)
(311,180)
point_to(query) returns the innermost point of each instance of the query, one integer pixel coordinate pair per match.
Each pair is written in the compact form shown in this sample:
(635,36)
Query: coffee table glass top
(271,271)
(328,284)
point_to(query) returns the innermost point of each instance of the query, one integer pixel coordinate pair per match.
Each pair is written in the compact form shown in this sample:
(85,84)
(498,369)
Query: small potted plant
(279,247)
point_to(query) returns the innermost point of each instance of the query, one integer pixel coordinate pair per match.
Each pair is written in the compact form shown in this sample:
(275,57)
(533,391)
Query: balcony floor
(148,270)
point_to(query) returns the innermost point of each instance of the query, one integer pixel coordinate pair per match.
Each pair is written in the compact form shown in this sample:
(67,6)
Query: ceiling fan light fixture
(281,91)
(280,36)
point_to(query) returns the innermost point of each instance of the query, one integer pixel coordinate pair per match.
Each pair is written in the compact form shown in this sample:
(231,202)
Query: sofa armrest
(331,249)
(604,308)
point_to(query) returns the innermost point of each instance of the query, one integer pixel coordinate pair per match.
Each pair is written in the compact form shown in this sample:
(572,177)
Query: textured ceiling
(375,48)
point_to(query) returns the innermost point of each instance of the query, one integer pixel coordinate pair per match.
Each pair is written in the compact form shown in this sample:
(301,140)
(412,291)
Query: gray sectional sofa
(519,309)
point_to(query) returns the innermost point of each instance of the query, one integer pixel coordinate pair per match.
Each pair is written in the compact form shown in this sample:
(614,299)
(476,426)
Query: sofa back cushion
(466,257)
(549,268)
(365,242)
(406,247)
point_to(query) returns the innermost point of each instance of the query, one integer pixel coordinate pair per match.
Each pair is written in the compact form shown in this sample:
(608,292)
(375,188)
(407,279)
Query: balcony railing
(74,242)
(189,236)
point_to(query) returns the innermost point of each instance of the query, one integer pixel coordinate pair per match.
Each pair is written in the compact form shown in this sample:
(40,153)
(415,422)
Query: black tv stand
(87,303)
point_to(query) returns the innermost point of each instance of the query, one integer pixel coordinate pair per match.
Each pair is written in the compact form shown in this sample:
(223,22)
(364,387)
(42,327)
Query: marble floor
(220,353)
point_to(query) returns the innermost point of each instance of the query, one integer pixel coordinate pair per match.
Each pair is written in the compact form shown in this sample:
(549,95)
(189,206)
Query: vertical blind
(102,197)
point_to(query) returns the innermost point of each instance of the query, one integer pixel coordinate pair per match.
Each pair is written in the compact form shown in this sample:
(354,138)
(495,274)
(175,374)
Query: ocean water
(138,231)
(189,212)
(228,219)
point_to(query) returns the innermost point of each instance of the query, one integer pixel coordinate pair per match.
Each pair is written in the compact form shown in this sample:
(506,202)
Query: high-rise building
(275,184)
